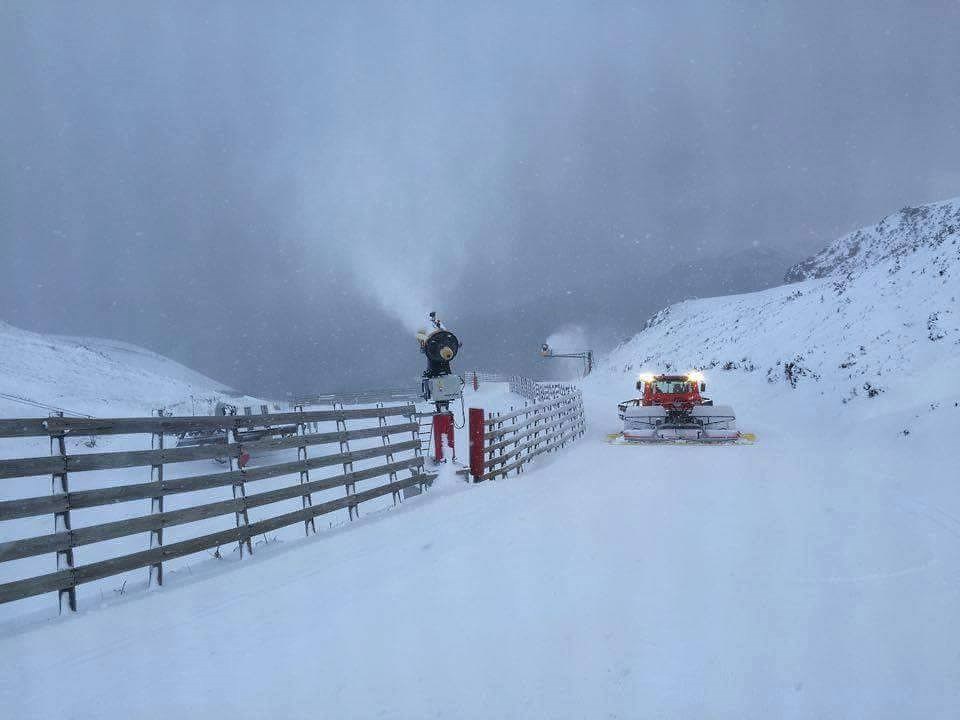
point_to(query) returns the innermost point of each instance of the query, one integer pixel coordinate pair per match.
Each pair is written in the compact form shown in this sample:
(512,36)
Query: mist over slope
(606,307)
(872,318)
(97,377)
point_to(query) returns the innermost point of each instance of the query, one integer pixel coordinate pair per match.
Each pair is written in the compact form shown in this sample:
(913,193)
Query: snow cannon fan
(439,384)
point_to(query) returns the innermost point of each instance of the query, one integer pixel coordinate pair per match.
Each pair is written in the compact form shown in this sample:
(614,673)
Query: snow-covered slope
(877,321)
(95,377)
(932,227)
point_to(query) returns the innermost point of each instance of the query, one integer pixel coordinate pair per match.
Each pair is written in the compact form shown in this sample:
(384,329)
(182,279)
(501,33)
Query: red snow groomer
(671,409)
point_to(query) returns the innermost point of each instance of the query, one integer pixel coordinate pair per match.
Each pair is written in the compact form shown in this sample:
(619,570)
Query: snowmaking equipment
(672,409)
(439,384)
(586,355)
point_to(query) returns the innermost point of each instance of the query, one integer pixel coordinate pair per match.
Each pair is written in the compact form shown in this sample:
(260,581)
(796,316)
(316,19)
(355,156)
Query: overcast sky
(275,193)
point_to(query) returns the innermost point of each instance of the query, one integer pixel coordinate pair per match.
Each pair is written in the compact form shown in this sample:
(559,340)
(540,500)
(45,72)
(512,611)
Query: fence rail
(271,432)
(411,393)
(361,397)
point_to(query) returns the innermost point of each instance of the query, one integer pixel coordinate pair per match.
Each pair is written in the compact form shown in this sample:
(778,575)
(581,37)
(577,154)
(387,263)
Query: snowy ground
(792,578)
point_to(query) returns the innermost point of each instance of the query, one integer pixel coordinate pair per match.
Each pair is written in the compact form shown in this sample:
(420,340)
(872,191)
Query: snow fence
(289,492)
(501,443)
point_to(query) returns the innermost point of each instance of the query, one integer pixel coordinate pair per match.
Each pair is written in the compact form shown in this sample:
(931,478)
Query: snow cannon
(439,384)
(672,409)
(586,355)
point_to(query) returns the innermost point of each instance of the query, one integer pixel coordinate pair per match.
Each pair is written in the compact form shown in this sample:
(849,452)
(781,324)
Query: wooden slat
(28,547)
(527,458)
(142,458)
(25,467)
(532,408)
(141,491)
(562,425)
(32,507)
(19,589)
(176,425)
(328,437)
(23,427)
(553,409)
(295,491)
(260,433)
(94,571)
(534,428)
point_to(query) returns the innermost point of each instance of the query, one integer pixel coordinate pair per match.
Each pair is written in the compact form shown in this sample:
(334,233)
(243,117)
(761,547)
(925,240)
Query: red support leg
(443,426)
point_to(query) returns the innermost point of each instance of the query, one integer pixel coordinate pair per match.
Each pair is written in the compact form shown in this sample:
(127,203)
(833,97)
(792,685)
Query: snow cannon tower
(440,385)
(585,355)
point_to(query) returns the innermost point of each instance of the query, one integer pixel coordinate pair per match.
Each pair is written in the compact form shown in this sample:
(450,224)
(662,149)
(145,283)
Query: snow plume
(567,339)
(395,286)
(402,226)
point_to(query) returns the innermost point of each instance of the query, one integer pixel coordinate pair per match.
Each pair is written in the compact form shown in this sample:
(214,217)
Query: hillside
(872,318)
(96,377)
(932,227)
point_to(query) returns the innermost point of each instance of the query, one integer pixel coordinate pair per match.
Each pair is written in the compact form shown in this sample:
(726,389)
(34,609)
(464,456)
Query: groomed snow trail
(814,574)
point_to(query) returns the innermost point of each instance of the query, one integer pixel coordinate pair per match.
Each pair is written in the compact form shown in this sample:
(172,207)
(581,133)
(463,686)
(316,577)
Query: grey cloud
(262,190)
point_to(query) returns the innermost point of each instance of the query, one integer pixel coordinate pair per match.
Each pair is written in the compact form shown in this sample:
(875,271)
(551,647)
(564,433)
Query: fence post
(537,418)
(241,516)
(306,499)
(487,449)
(499,439)
(417,453)
(523,453)
(516,440)
(349,488)
(156,503)
(385,441)
(476,443)
(61,519)
(561,409)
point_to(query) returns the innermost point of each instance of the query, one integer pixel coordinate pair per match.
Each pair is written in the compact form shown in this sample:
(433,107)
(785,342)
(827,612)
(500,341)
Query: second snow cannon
(439,384)
(671,408)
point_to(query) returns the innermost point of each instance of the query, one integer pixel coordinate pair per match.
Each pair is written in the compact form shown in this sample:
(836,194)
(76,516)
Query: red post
(476,443)
(443,426)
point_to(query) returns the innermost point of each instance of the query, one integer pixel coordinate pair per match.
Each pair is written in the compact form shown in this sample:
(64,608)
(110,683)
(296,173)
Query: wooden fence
(507,442)
(244,435)
(537,391)
(411,393)
(530,389)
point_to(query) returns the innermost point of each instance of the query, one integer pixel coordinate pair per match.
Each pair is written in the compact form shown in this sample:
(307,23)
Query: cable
(463,415)
(43,406)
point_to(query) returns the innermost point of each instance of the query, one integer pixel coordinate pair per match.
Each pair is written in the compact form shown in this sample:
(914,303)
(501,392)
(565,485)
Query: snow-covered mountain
(96,377)
(933,227)
(874,315)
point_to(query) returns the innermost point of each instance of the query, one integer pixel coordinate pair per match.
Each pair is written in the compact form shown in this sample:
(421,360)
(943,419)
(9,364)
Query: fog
(277,194)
